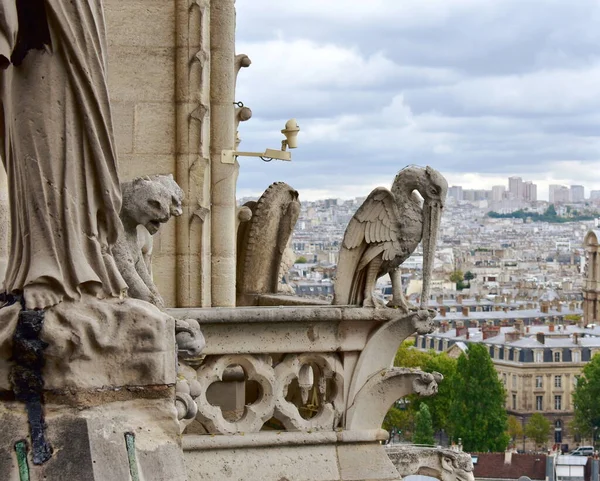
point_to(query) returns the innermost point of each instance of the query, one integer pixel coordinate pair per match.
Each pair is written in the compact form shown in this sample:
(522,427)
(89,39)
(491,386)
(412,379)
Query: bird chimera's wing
(373,230)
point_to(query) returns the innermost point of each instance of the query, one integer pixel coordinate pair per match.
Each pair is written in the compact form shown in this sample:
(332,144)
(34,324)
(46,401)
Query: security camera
(291,135)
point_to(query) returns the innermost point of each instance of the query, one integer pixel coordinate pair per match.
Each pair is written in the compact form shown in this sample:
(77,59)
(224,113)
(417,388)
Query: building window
(558,431)
(514,381)
(539,381)
(557,356)
(557,381)
(514,400)
(539,403)
(504,378)
(539,356)
(557,403)
(576,356)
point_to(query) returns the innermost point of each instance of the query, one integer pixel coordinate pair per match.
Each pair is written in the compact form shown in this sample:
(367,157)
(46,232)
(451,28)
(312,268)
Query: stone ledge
(98,344)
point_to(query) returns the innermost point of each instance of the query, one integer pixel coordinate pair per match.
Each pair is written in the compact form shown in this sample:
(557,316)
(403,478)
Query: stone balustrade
(310,383)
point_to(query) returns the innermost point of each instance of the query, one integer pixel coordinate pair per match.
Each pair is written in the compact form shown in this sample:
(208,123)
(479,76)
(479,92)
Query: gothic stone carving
(263,239)
(147,202)
(385,231)
(443,464)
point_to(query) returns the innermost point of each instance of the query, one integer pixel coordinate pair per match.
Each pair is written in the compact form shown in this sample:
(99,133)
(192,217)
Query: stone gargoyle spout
(443,464)
(384,388)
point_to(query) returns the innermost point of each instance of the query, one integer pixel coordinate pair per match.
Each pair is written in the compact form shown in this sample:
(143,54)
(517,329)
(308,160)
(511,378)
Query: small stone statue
(385,231)
(58,150)
(147,202)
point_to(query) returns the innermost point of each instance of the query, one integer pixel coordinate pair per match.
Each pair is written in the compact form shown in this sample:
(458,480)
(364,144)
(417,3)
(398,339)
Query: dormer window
(556,356)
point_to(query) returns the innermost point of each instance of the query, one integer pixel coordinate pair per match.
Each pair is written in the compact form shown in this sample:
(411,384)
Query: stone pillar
(192,166)
(4,225)
(223,176)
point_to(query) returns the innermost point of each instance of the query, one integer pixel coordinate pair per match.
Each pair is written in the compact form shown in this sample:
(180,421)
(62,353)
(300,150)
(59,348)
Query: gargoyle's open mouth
(153,226)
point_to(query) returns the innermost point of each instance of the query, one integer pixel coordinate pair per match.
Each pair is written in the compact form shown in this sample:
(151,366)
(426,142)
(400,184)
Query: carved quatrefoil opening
(309,392)
(235,393)
(238,395)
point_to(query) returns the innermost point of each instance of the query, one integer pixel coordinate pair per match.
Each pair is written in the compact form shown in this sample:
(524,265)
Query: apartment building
(538,365)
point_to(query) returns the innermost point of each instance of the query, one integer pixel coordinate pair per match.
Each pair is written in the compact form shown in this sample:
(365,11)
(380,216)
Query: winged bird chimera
(385,231)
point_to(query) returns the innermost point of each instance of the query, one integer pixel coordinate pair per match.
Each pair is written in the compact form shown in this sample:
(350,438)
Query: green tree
(550,211)
(423,426)
(538,428)
(457,276)
(585,399)
(400,420)
(438,404)
(469,276)
(408,356)
(477,413)
(301,260)
(515,429)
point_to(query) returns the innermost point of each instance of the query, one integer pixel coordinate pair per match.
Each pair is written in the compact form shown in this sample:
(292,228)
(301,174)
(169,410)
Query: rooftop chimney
(544,308)
(512,336)
(508,457)
(465,311)
(575,338)
(443,311)
(490,331)
(459,299)
(551,328)
(540,337)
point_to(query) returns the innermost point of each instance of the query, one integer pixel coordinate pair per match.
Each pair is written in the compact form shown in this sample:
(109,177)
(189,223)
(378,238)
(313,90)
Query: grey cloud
(489,87)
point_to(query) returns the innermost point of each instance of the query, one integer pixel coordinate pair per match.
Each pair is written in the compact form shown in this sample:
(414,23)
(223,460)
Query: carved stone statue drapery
(58,151)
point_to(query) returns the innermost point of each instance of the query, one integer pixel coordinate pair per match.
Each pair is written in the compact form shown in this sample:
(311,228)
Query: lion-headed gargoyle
(147,202)
(440,463)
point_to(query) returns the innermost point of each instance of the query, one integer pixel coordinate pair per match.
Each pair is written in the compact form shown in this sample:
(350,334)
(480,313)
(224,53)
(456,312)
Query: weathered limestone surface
(443,464)
(385,231)
(4,225)
(331,361)
(89,440)
(161,116)
(98,344)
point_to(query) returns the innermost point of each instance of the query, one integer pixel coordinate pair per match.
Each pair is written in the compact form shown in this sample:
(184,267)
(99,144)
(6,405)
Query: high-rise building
(530,191)
(456,192)
(595,195)
(577,193)
(498,193)
(515,187)
(558,193)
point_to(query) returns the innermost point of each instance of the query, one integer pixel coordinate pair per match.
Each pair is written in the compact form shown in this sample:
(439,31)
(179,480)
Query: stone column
(223,176)
(192,167)
(4,224)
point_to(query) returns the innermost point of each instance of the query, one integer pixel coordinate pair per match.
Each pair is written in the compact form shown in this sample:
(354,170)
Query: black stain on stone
(34,33)
(26,378)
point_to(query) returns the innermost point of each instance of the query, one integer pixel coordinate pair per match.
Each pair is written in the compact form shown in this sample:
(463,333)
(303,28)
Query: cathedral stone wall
(156,87)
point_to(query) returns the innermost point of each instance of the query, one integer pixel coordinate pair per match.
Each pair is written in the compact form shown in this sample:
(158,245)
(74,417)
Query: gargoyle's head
(443,464)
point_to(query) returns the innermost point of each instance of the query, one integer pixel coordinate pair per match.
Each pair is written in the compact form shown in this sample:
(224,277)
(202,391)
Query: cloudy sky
(479,89)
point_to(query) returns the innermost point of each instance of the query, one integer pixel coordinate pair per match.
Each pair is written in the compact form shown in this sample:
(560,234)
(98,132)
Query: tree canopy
(585,398)
(423,427)
(538,428)
(515,429)
(479,420)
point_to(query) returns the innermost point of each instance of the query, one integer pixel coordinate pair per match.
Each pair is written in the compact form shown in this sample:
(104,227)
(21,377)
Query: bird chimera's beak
(432,215)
